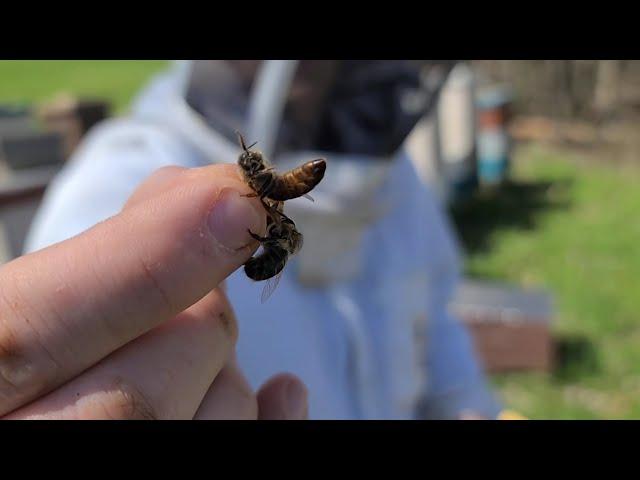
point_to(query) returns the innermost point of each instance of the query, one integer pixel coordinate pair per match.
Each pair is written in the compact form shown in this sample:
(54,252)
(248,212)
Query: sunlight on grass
(574,233)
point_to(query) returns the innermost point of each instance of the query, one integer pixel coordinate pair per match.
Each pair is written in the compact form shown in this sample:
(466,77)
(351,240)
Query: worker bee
(266,183)
(282,241)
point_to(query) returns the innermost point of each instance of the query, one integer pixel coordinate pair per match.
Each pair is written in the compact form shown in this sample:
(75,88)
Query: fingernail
(231,217)
(296,396)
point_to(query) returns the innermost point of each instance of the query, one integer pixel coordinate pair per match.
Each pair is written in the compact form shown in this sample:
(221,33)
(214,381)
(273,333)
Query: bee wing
(270,286)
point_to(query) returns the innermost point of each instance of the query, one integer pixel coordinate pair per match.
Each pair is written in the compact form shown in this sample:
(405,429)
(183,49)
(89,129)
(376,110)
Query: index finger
(65,307)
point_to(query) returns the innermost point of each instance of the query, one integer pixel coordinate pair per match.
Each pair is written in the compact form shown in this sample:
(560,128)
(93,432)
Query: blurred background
(538,165)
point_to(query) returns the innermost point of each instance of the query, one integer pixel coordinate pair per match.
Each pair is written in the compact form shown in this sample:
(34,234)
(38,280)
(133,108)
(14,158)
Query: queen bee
(267,183)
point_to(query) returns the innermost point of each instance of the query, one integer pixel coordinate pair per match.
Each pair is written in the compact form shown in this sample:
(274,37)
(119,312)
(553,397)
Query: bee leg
(270,209)
(249,195)
(285,218)
(266,206)
(257,237)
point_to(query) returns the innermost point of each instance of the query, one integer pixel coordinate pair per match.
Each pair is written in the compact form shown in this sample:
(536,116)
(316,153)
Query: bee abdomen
(266,265)
(299,181)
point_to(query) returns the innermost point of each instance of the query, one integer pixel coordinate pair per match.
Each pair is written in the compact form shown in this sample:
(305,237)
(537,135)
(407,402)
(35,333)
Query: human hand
(128,320)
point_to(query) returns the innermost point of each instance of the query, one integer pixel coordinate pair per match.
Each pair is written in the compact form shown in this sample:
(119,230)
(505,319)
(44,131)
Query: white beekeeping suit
(360,315)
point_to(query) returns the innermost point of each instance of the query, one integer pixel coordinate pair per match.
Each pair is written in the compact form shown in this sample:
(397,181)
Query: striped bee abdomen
(299,181)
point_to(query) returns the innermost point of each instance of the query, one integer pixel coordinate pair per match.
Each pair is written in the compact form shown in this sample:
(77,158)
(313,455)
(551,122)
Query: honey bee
(282,241)
(266,183)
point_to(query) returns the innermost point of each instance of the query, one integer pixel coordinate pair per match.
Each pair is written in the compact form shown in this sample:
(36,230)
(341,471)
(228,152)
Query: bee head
(289,238)
(296,242)
(250,161)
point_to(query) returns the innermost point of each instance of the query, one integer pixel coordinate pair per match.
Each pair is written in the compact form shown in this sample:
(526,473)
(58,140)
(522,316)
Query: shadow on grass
(576,357)
(515,205)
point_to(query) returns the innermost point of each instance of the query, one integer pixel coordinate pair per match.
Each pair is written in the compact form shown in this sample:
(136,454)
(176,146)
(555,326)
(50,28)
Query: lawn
(565,223)
(568,223)
(37,81)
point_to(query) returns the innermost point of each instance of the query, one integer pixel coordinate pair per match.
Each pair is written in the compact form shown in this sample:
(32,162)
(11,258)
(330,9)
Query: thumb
(283,397)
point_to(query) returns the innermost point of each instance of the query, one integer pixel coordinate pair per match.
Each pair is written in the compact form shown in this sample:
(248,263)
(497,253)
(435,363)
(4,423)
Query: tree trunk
(606,89)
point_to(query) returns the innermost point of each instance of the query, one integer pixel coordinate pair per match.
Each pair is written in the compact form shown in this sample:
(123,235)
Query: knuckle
(19,377)
(217,310)
(248,403)
(241,400)
(155,283)
(26,370)
(246,400)
(225,316)
(227,321)
(124,401)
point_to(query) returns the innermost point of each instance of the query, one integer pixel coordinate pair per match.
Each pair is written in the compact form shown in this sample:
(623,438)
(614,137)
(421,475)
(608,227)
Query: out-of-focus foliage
(594,89)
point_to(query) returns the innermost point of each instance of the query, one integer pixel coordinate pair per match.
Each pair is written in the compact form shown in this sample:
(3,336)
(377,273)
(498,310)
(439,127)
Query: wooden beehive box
(31,149)
(20,193)
(72,118)
(23,145)
(510,326)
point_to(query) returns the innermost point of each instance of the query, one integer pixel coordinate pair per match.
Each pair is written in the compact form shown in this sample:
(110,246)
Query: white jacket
(378,346)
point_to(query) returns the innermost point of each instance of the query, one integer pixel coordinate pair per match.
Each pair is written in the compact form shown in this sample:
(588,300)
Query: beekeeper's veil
(356,114)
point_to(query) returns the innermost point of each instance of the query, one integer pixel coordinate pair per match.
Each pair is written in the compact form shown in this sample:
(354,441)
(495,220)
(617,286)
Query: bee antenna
(241,138)
(252,145)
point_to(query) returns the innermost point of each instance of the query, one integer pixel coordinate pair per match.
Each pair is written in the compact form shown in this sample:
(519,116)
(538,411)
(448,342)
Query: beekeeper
(360,314)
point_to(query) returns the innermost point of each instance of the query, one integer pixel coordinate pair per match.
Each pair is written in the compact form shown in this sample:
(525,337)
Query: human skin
(129,319)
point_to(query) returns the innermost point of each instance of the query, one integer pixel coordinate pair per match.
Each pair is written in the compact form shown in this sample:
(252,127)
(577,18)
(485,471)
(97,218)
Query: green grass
(37,81)
(568,224)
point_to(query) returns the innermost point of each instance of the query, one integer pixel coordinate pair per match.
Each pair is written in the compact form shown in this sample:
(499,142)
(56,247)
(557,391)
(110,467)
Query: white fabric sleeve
(96,182)
(456,380)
